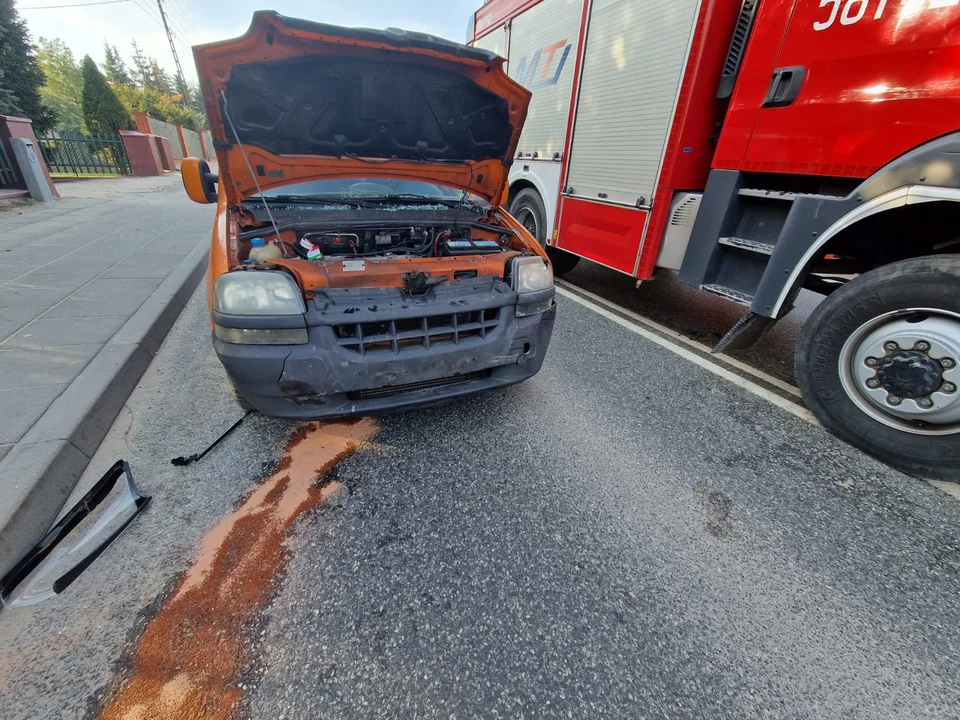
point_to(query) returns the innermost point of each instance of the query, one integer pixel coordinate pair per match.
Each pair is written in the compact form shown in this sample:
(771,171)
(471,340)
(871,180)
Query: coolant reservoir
(261,251)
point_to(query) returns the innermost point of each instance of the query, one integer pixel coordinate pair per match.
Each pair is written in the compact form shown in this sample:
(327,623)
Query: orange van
(360,259)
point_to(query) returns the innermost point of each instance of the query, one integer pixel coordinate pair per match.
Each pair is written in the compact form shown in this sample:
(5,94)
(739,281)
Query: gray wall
(208,139)
(194,146)
(159,127)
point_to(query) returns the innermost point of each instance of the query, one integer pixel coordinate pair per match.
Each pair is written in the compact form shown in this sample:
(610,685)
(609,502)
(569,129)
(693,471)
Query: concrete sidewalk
(89,287)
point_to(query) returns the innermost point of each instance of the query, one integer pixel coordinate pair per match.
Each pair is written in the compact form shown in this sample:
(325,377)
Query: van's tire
(897,329)
(527,209)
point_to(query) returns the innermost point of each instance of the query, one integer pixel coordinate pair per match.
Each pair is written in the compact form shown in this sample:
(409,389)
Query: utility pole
(176,61)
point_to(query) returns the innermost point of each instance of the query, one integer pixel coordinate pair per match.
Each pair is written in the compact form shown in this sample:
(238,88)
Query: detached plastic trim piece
(98,493)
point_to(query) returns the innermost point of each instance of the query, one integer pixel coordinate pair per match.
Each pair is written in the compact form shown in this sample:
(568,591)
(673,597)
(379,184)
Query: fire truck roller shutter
(633,63)
(543,52)
(495,41)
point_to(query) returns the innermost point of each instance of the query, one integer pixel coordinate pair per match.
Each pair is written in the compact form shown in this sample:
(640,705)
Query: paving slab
(9,272)
(22,409)
(105,297)
(23,297)
(20,368)
(12,319)
(144,265)
(51,332)
(40,279)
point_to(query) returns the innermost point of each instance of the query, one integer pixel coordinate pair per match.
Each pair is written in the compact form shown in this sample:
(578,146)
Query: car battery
(466,246)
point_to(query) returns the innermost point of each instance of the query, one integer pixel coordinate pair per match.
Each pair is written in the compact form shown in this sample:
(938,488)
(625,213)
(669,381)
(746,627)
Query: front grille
(417,386)
(395,335)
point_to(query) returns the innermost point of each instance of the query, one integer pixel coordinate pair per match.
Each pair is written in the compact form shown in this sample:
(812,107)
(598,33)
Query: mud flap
(50,567)
(745,333)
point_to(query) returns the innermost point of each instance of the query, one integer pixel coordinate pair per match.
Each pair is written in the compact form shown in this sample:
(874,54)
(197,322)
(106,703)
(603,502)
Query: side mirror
(198,181)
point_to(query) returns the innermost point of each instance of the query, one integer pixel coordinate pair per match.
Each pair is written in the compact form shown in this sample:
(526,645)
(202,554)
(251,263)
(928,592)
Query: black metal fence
(79,154)
(9,174)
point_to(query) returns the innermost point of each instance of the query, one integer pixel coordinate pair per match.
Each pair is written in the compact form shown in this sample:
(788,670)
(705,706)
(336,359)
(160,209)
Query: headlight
(257,292)
(531,274)
(533,280)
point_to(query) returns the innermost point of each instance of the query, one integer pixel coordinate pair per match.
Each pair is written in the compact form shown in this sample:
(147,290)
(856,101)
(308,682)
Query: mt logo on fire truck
(543,67)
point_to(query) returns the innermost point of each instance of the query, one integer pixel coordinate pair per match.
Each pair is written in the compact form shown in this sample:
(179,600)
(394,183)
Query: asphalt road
(698,315)
(624,535)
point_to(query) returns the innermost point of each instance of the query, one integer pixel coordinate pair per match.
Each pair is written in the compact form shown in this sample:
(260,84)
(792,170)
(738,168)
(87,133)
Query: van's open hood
(314,101)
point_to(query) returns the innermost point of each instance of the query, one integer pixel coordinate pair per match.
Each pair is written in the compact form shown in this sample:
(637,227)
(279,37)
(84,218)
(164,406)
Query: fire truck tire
(878,363)
(527,208)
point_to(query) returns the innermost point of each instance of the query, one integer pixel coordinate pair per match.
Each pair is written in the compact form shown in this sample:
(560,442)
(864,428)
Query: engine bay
(409,241)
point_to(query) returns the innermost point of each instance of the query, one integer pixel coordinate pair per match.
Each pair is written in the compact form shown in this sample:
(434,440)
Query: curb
(45,465)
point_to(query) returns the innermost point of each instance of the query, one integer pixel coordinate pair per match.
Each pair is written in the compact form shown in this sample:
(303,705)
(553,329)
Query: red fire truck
(758,147)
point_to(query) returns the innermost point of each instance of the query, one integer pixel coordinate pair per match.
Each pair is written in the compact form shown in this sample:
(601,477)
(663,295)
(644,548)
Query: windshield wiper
(303,200)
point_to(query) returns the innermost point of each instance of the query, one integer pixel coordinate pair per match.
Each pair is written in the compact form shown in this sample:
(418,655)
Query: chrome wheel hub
(901,369)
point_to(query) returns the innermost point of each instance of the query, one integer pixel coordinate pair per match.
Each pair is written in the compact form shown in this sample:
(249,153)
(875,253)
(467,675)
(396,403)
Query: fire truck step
(769,194)
(729,294)
(744,244)
(782,194)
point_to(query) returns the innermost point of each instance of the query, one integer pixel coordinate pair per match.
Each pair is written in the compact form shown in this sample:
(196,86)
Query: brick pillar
(11,127)
(142,152)
(166,153)
(142,121)
(183,141)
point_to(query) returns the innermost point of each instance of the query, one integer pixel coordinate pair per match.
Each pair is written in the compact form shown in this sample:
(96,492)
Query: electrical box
(25,151)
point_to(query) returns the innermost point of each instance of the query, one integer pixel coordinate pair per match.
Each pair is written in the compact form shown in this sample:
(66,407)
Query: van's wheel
(527,208)
(879,364)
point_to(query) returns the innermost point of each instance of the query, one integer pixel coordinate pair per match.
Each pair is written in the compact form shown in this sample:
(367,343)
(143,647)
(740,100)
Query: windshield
(393,189)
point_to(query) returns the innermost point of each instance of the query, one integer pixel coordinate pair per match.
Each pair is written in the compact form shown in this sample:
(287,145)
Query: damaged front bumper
(374,350)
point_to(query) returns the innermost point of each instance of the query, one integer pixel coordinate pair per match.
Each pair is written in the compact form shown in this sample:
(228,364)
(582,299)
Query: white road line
(742,367)
(950,488)
(739,381)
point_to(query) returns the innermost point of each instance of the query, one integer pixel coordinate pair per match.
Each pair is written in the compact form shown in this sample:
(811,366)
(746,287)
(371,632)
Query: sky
(84,29)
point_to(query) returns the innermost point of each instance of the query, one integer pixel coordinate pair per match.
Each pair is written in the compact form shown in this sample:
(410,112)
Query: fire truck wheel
(527,208)
(878,363)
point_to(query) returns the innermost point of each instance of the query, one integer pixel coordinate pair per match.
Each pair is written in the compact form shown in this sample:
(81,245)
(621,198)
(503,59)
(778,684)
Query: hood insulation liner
(385,108)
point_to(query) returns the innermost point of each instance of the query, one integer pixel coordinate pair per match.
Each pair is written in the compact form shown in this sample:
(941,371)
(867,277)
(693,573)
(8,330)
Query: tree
(154,92)
(181,88)
(114,67)
(63,89)
(174,110)
(141,66)
(102,110)
(168,108)
(20,70)
(157,79)
(196,104)
(8,101)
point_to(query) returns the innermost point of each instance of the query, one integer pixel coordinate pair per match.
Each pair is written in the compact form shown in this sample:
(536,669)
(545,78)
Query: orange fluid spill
(189,659)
